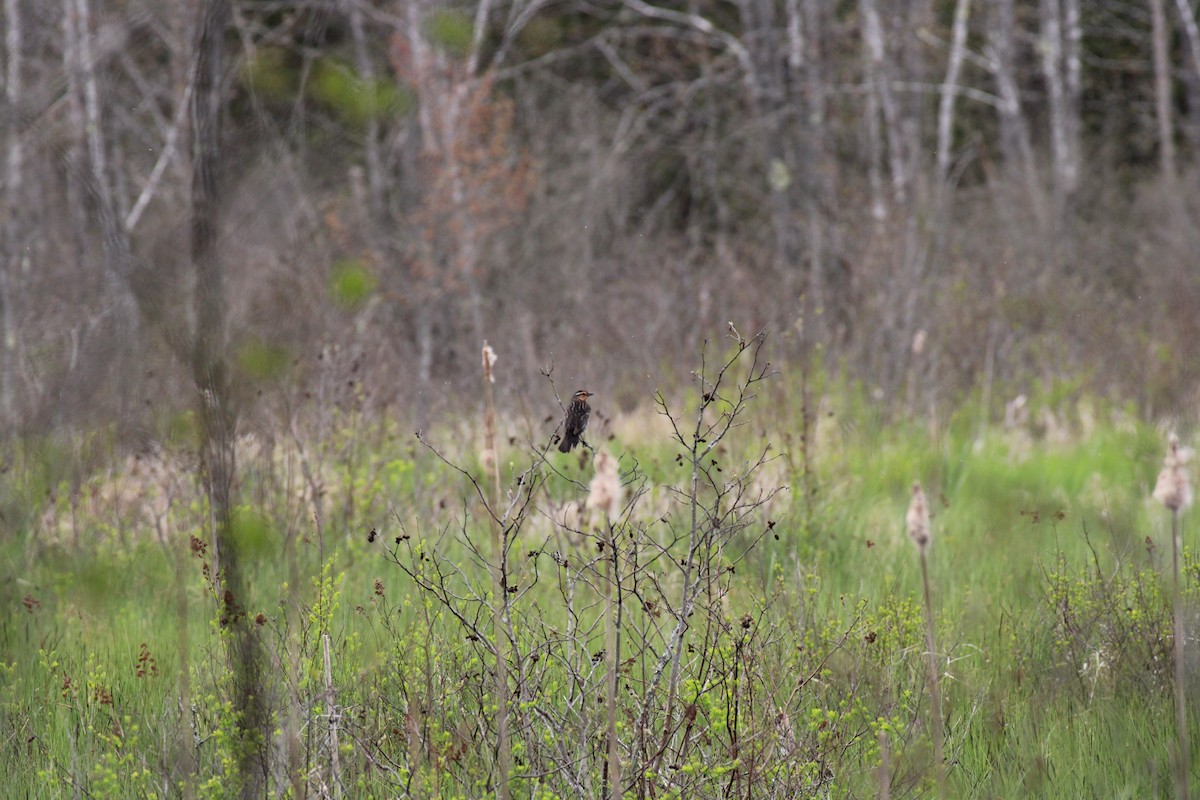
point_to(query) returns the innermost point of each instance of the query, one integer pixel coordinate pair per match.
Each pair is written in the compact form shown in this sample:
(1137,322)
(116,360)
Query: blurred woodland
(288,203)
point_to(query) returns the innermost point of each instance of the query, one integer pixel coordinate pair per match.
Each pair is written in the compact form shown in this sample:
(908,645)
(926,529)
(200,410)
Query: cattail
(604,492)
(918,520)
(1173,488)
(921,534)
(489,361)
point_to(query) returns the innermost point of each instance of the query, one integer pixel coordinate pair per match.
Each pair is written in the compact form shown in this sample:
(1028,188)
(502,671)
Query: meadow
(723,602)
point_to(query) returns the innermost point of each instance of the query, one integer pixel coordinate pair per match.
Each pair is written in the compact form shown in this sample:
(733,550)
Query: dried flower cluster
(604,492)
(918,520)
(1173,488)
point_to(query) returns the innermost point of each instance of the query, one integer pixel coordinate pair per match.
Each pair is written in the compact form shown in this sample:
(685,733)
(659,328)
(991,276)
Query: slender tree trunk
(12,252)
(789,175)
(76,130)
(366,72)
(1162,93)
(1073,85)
(1060,66)
(210,372)
(945,126)
(880,78)
(875,158)
(1187,20)
(1015,143)
(118,258)
(893,334)
(808,121)
(424,284)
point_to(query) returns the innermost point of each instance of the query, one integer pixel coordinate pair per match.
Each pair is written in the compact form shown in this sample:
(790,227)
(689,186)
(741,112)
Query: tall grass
(1174,490)
(696,633)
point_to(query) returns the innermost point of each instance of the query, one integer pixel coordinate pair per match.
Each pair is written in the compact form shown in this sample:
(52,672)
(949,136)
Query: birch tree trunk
(880,79)
(1015,144)
(945,127)
(14,228)
(421,291)
(118,257)
(1162,92)
(76,130)
(1073,70)
(1060,67)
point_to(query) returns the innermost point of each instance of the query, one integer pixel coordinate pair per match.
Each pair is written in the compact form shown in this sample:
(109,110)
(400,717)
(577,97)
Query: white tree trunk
(14,233)
(1058,88)
(879,75)
(1162,90)
(1014,129)
(962,11)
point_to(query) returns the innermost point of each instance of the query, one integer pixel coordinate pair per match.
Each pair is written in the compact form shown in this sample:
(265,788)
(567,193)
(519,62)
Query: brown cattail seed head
(1173,488)
(918,520)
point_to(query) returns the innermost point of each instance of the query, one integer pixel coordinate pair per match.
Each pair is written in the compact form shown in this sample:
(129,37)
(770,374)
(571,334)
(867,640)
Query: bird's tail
(566,444)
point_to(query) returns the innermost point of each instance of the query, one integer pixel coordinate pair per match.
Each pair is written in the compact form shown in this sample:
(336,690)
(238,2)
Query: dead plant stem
(935,701)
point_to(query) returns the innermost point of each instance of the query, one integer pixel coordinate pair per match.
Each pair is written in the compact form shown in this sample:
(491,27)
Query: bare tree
(1014,139)
(465,180)
(768,54)
(945,125)
(118,257)
(1162,91)
(14,233)
(880,80)
(211,373)
(1060,40)
(1190,124)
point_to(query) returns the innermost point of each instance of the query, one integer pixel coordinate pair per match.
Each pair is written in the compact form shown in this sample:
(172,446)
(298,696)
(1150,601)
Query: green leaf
(263,360)
(451,30)
(351,283)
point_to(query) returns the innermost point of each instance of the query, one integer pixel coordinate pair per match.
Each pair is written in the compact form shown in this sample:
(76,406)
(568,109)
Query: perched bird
(576,421)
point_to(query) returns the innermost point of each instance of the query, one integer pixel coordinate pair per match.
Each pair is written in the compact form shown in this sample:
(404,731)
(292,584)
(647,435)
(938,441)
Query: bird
(576,421)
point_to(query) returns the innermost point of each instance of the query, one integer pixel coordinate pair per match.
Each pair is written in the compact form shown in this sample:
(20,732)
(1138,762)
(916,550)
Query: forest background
(935,197)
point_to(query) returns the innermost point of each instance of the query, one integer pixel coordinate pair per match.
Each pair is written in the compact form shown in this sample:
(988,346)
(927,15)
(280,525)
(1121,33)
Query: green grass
(1052,613)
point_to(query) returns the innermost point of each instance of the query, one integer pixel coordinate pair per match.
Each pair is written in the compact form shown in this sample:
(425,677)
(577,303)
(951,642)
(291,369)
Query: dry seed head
(1173,488)
(918,519)
(489,361)
(604,492)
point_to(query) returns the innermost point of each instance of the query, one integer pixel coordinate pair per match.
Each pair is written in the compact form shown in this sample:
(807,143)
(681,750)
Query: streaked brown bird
(576,421)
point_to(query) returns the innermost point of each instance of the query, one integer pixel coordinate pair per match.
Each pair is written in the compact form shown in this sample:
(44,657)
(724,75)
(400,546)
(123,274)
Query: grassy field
(744,619)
